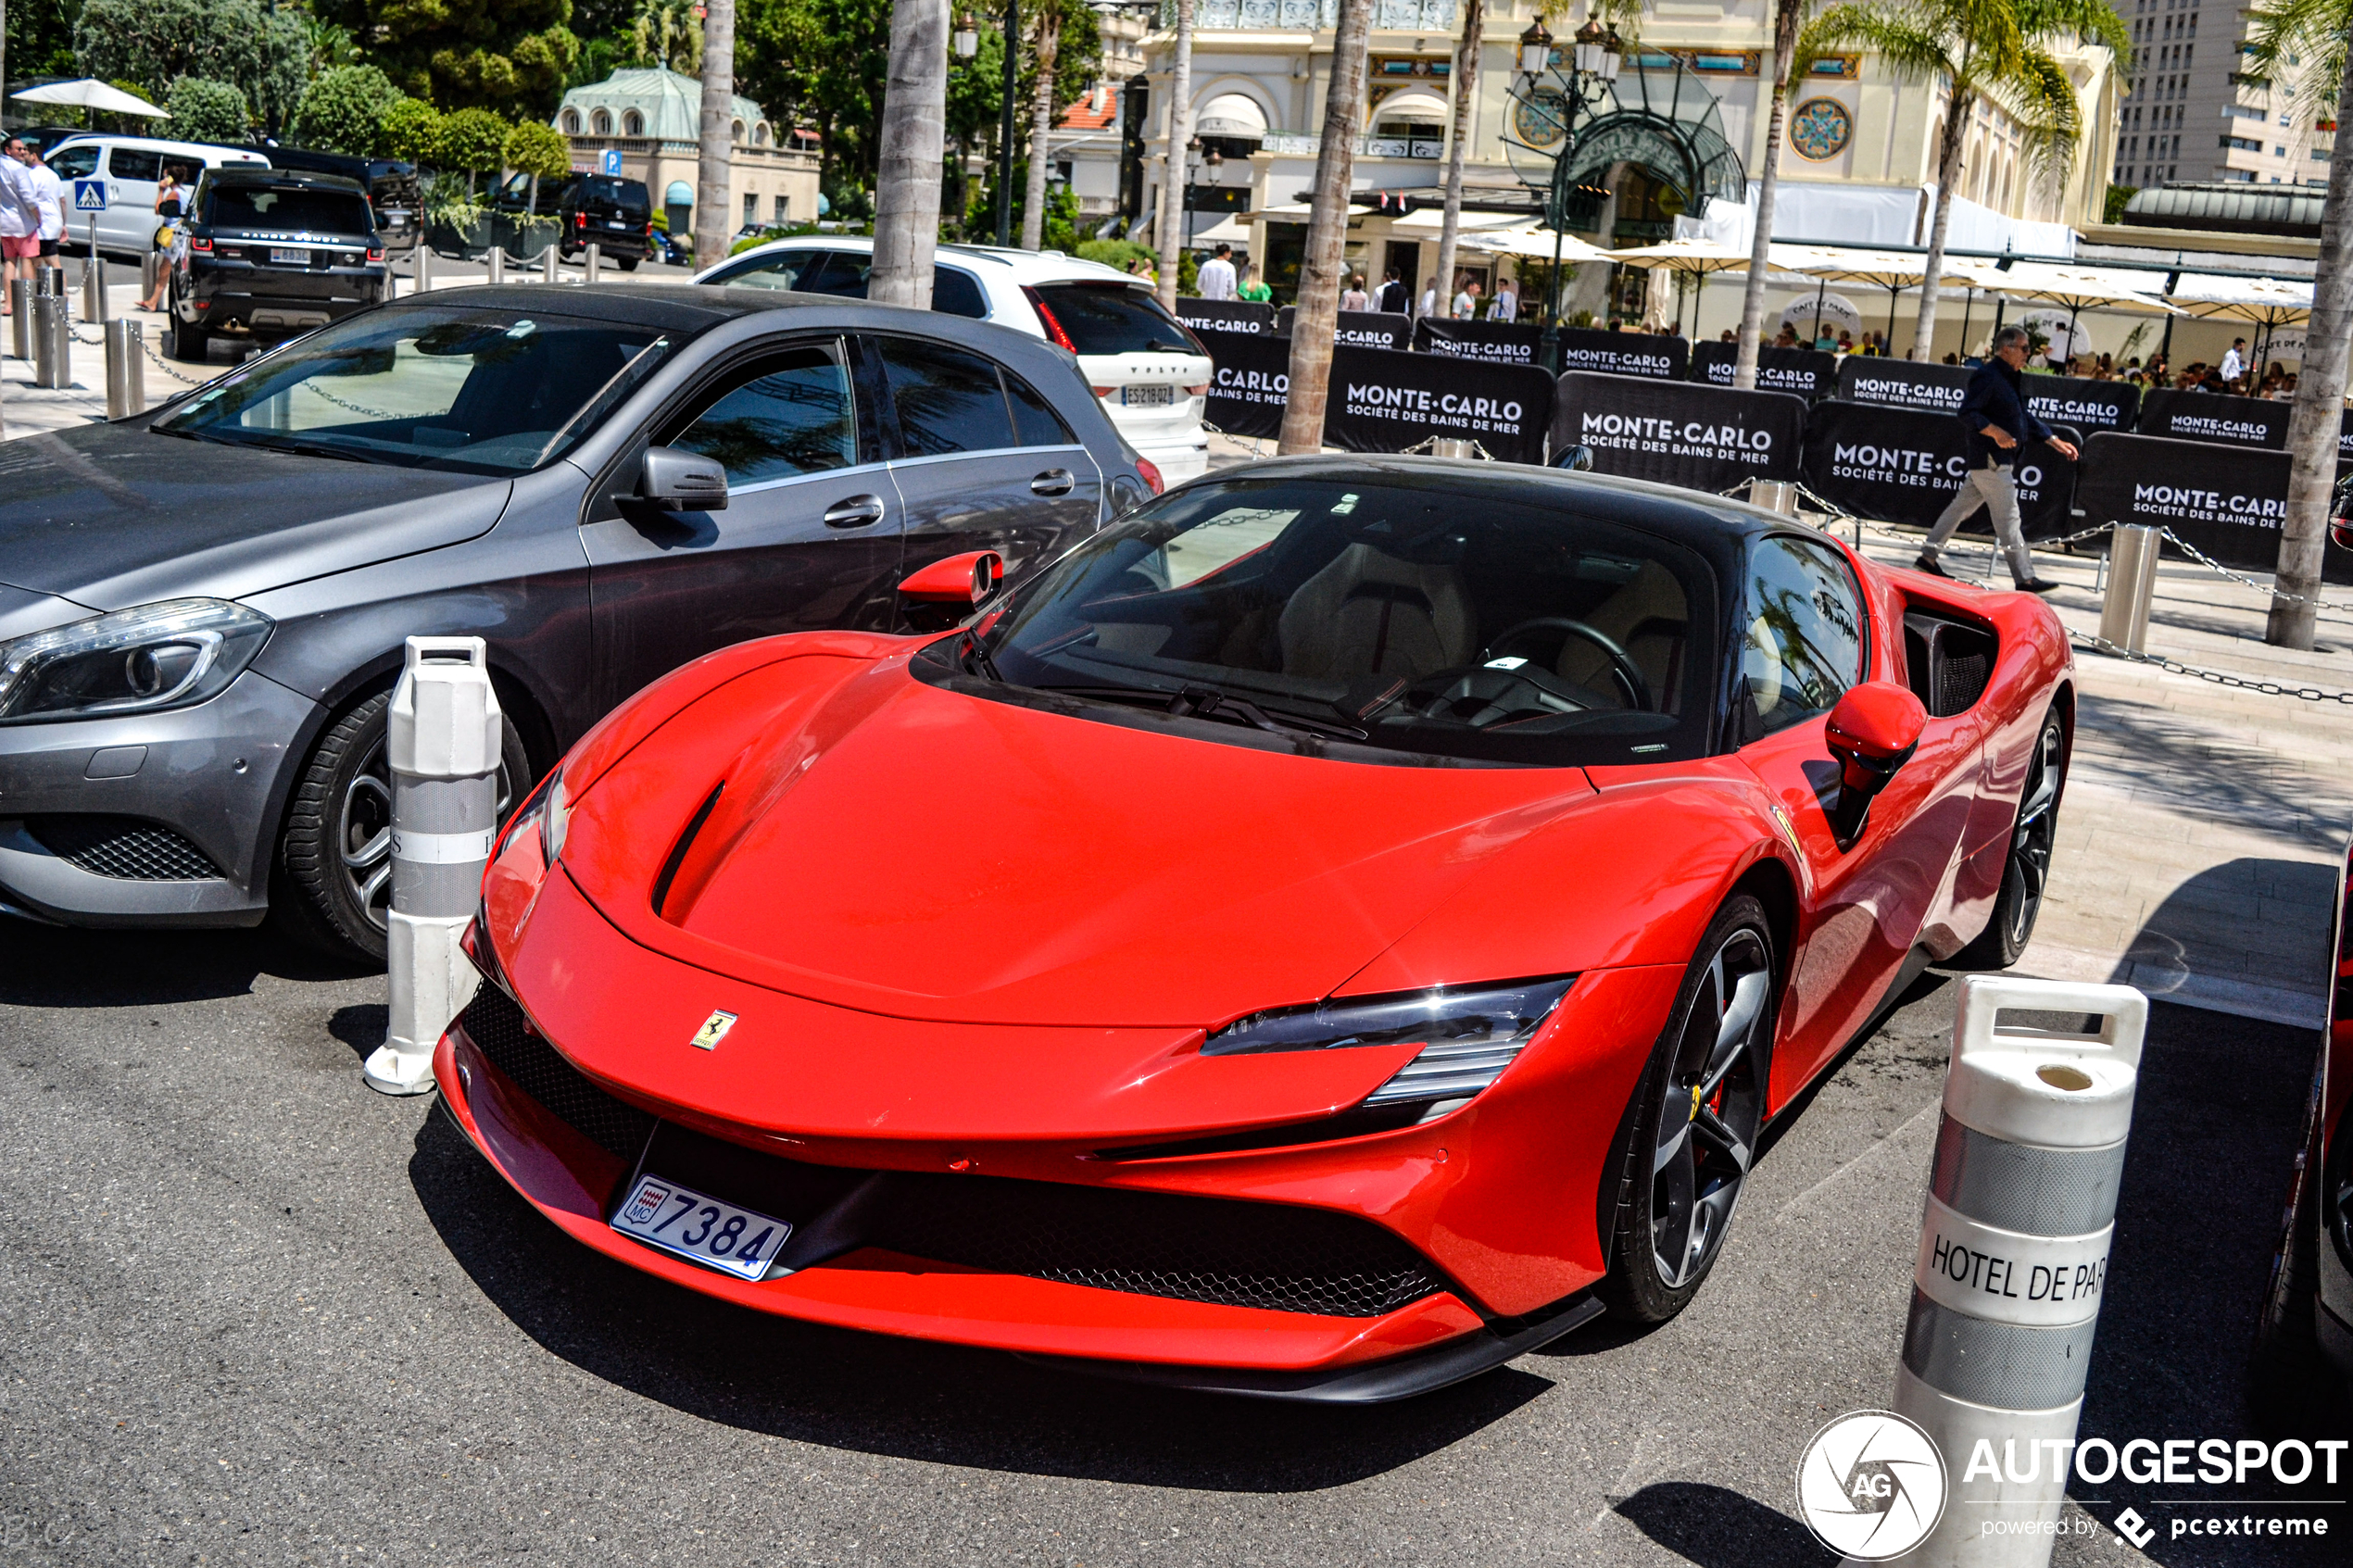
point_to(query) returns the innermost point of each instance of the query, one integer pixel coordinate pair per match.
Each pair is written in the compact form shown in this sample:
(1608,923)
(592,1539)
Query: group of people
(32,215)
(1826,340)
(1220,279)
(2235,376)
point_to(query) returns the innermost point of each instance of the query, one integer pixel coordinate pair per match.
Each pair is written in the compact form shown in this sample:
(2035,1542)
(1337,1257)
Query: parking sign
(90,195)
(613,160)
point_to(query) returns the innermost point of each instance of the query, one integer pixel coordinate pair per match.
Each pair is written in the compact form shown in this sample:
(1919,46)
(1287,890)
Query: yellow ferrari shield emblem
(714,1029)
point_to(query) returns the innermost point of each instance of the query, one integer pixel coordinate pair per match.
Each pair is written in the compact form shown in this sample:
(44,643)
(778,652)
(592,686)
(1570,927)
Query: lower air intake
(496,1026)
(122,848)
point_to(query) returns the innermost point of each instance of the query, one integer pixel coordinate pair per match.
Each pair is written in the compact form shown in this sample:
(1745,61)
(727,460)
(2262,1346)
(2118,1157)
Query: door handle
(858,511)
(1053,482)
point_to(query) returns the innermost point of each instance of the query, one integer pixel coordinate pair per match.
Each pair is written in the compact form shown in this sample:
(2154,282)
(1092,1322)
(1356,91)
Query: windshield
(1383,610)
(289,208)
(1109,319)
(436,387)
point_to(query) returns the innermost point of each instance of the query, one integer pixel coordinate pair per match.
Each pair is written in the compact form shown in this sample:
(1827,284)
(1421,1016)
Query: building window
(572,122)
(2241,144)
(784,208)
(601,122)
(738,130)
(632,123)
(751,208)
(759,134)
(2238,176)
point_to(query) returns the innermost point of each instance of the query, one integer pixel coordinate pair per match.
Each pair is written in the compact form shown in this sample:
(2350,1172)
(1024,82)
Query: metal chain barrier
(2219,677)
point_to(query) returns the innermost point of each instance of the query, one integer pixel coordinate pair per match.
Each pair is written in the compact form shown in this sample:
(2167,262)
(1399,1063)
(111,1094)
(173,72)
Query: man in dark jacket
(1994,410)
(1392,297)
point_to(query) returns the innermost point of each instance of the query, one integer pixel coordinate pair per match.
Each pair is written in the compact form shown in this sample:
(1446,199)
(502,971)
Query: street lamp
(1535,48)
(1548,100)
(1192,179)
(1005,124)
(966,38)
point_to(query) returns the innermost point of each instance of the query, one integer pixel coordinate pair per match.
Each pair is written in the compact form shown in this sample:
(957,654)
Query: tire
(332,884)
(2292,1388)
(629,263)
(190,345)
(1693,1123)
(2026,870)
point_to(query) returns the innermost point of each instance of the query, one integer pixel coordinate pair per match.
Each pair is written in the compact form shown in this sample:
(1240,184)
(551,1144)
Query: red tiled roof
(1084,116)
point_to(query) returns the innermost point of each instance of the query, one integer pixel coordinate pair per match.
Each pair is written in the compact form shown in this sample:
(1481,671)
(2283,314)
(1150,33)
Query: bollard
(2131,586)
(1451,446)
(2014,1243)
(594,264)
(420,266)
(126,371)
(444,743)
(1774,496)
(150,269)
(498,261)
(21,317)
(551,264)
(93,294)
(50,355)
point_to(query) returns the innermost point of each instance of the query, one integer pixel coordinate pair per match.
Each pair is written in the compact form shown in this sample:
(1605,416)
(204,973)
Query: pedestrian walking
(2234,362)
(49,193)
(1217,274)
(1354,297)
(1506,305)
(1994,408)
(19,218)
(1393,294)
(1466,302)
(1254,287)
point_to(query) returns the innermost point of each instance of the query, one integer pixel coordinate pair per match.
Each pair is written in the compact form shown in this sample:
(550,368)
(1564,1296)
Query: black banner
(1226,314)
(1251,384)
(1809,372)
(1680,433)
(2206,415)
(1500,343)
(1900,383)
(1624,353)
(2080,402)
(1360,329)
(1903,465)
(1385,400)
(2229,504)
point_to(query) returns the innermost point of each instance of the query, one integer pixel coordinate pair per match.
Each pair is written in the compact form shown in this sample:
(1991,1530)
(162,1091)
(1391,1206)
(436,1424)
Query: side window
(785,269)
(1035,421)
(75,163)
(957,291)
(844,273)
(948,400)
(1804,644)
(785,415)
(134,163)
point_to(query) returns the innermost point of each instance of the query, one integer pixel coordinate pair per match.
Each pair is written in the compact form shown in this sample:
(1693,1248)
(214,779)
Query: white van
(131,168)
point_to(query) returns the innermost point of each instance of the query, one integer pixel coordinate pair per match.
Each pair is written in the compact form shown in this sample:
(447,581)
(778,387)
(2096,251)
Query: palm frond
(1914,52)
(2314,31)
(2093,21)
(2041,99)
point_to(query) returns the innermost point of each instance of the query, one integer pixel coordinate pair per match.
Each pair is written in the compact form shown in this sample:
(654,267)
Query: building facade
(651,117)
(2199,112)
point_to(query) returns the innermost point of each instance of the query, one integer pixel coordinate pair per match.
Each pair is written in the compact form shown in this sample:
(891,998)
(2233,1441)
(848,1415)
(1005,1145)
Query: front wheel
(2026,872)
(190,345)
(1694,1121)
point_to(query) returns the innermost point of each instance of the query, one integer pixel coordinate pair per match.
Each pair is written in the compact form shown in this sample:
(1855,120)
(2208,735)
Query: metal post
(444,743)
(420,266)
(497,261)
(592,263)
(93,280)
(50,345)
(21,317)
(1453,447)
(126,371)
(1774,496)
(2131,586)
(150,269)
(551,264)
(1005,129)
(2013,1258)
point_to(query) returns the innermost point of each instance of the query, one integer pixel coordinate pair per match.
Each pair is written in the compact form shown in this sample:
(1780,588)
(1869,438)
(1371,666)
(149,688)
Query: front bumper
(160,819)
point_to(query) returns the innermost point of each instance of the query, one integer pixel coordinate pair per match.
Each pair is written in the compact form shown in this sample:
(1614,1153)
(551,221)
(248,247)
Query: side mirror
(1873,731)
(2341,531)
(682,481)
(962,580)
(1577,458)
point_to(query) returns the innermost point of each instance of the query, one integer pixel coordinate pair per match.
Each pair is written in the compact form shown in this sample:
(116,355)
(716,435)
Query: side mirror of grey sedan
(682,481)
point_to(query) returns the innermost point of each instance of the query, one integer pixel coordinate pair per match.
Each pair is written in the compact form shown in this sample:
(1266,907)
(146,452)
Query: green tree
(342,111)
(513,56)
(667,33)
(40,36)
(410,130)
(264,55)
(539,150)
(821,63)
(207,111)
(472,141)
(1995,52)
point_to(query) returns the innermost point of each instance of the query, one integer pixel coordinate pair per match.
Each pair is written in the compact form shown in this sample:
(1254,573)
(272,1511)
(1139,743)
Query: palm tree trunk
(915,135)
(1948,174)
(1786,16)
(1317,317)
(2314,424)
(1172,175)
(1041,122)
(1466,101)
(714,193)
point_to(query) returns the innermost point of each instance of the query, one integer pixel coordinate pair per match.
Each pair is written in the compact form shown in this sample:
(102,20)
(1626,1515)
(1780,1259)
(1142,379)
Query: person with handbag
(171,206)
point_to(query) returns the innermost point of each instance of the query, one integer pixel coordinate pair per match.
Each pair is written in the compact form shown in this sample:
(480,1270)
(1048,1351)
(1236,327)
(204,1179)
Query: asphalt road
(257,1314)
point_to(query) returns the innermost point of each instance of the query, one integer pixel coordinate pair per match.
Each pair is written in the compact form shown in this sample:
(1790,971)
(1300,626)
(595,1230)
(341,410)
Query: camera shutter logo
(1871,1485)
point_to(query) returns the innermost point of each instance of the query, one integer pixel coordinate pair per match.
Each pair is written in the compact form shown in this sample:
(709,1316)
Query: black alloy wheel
(2026,872)
(1695,1121)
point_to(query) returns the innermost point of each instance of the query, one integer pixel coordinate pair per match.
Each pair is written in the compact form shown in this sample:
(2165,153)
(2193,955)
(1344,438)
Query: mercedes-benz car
(1336,929)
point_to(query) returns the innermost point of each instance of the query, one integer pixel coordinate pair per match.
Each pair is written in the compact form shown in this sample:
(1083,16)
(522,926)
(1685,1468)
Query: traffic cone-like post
(444,746)
(2013,1259)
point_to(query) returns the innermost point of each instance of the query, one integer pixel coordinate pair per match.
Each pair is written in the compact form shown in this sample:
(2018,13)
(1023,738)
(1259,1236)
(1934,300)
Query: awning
(680,194)
(1536,244)
(1430,220)
(2076,288)
(2267,302)
(1413,105)
(1230,114)
(1231,229)
(91,93)
(1685,255)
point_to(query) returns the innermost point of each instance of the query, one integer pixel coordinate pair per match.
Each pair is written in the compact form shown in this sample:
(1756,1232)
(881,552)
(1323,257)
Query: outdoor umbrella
(1696,256)
(2267,303)
(1892,270)
(89,93)
(2077,289)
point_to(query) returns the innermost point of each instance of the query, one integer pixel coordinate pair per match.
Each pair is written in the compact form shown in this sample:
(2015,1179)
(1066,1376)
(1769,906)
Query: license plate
(662,1213)
(1148,397)
(288,256)
(615,223)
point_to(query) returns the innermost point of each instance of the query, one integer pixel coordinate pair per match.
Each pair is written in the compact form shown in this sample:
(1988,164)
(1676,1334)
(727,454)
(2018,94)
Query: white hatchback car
(1152,374)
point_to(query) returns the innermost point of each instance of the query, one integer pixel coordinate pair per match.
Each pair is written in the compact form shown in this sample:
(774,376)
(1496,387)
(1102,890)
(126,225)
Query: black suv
(271,254)
(617,214)
(391,187)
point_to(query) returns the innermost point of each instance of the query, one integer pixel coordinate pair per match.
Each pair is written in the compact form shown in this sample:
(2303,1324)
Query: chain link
(2219,677)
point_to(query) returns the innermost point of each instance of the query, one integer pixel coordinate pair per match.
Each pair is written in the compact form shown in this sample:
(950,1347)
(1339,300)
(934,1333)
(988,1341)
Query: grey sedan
(202,609)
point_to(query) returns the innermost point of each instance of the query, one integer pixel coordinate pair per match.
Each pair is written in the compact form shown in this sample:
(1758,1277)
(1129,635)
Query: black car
(617,214)
(392,191)
(271,254)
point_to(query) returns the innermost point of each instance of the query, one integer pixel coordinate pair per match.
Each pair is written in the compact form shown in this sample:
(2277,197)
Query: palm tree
(1317,319)
(1788,17)
(1465,100)
(1041,122)
(716,135)
(1995,52)
(913,144)
(1172,175)
(2317,31)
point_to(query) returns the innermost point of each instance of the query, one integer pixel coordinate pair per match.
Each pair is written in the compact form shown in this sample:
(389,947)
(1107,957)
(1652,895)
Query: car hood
(890,845)
(111,516)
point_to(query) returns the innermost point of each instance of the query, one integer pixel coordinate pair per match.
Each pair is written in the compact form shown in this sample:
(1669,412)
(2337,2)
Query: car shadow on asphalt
(55,966)
(902,1398)
(1716,1527)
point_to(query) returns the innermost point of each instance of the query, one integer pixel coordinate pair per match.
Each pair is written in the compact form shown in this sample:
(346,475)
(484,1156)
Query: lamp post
(1005,124)
(1546,93)
(1192,181)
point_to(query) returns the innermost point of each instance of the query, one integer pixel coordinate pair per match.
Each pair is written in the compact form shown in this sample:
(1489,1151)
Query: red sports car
(1334,929)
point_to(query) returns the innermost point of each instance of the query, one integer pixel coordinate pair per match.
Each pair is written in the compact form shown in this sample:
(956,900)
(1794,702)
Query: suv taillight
(579,220)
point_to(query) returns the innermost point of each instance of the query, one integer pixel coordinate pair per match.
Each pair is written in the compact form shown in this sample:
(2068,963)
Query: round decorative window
(1540,118)
(1820,129)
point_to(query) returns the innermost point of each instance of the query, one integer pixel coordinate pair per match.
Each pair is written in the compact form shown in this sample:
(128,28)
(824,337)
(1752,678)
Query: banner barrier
(1226,314)
(2078,401)
(1624,353)
(1360,329)
(1504,343)
(1903,465)
(1900,383)
(1250,381)
(1808,372)
(2206,415)
(1387,400)
(2228,503)
(1680,433)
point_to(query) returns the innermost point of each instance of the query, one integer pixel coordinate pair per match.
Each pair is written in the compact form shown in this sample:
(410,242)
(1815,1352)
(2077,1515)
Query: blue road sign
(613,160)
(90,195)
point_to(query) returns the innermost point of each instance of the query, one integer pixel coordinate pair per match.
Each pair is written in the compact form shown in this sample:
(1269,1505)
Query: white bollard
(592,263)
(551,264)
(496,265)
(2013,1258)
(421,266)
(126,372)
(444,745)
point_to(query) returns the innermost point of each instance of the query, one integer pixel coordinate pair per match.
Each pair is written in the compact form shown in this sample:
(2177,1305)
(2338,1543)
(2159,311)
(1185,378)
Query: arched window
(572,122)
(601,122)
(632,124)
(739,131)
(759,134)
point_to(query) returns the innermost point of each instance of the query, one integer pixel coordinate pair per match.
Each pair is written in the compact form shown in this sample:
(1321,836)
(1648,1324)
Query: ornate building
(650,117)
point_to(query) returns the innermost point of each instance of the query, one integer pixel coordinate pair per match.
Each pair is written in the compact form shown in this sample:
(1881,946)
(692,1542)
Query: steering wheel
(1621,664)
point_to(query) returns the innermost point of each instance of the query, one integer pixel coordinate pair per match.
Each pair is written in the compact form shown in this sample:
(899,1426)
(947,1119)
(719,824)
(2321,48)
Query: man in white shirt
(50,193)
(1466,302)
(1429,300)
(1217,275)
(1506,305)
(2234,362)
(19,218)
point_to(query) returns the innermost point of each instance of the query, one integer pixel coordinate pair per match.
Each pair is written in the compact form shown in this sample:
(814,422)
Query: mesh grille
(1961,680)
(121,847)
(496,1026)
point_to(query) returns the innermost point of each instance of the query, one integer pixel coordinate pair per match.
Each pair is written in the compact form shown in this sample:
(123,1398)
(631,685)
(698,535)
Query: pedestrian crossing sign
(90,195)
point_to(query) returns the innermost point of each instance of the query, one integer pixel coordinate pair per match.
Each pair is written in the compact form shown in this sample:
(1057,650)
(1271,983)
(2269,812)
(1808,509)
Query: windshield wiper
(1196,701)
(307,449)
(974,655)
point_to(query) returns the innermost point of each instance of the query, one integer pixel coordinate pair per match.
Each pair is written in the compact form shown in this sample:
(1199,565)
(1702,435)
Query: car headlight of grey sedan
(156,655)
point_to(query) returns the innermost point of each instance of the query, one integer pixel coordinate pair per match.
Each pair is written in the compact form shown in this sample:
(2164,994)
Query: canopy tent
(2076,289)
(1696,256)
(2267,303)
(89,93)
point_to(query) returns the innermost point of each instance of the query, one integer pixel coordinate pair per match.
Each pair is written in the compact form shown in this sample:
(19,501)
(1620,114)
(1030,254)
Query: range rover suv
(269,254)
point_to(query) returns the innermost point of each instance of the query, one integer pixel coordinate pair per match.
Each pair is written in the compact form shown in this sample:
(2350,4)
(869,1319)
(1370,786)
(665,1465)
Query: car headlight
(157,656)
(555,818)
(1470,1036)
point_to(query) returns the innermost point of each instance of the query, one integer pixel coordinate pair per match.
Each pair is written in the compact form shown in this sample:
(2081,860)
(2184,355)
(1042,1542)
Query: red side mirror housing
(2341,530)
(1873,731)
(966,579)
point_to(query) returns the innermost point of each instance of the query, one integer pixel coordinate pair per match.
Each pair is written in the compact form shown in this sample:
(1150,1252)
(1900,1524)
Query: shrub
(342,111)
(207,111)
(409,129)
